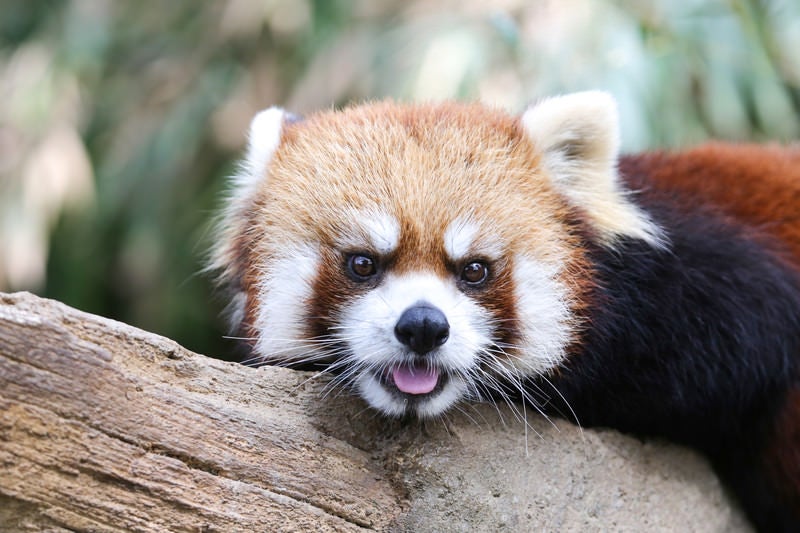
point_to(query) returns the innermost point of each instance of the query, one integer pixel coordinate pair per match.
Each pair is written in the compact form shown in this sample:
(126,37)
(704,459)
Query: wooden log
(104,427)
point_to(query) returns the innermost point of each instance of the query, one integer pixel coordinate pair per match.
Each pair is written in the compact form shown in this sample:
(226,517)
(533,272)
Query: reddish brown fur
(500,300)
(331,288)
(758,185)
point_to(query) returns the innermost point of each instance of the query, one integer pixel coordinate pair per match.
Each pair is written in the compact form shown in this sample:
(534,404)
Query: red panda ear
(577,136)
(263,139)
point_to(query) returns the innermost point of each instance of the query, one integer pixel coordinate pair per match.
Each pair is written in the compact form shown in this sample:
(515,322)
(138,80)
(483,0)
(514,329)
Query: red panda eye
(362,266)
(475,273)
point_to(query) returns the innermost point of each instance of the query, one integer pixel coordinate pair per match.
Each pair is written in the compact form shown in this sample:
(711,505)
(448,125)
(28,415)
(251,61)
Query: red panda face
(418,334)
(425,254)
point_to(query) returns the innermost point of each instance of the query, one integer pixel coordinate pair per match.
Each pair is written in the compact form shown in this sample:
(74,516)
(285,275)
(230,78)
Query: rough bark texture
(104,427)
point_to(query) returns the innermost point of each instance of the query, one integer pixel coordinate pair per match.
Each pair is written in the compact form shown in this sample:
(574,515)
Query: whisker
(235,338)
(572,411)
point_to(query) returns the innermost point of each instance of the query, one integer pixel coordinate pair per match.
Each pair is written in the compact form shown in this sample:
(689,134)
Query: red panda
(428,255)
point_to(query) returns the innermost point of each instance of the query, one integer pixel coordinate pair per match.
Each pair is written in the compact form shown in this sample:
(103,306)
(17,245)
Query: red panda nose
(422,327)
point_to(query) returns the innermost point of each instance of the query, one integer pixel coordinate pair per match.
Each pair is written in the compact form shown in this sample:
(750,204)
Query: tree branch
(104,427)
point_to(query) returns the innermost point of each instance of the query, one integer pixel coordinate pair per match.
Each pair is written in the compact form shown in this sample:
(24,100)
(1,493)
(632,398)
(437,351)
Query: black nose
(422,328)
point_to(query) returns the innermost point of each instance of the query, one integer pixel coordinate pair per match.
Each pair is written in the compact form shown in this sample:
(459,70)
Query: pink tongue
(416,379)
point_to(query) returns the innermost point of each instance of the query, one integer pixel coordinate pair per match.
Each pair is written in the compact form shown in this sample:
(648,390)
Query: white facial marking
(383,231)
(381,399)
(370,230)
(545,315)
(377,396)
(368,329)
(455,390)
(285,286)
(459,237)
(464,237)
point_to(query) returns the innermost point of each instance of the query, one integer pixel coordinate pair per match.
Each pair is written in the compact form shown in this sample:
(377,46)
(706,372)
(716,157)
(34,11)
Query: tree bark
(104,427)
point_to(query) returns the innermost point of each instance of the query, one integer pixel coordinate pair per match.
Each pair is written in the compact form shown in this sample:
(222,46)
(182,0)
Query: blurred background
(120,119)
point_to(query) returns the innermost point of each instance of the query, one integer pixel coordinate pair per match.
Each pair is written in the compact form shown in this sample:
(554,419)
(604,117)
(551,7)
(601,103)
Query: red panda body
(429,255)
(699,343)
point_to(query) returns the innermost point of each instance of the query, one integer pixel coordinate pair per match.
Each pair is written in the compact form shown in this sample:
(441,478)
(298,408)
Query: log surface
(104,427)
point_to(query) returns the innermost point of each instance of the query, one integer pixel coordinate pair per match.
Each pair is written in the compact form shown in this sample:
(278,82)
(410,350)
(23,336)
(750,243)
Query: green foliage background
(120,119)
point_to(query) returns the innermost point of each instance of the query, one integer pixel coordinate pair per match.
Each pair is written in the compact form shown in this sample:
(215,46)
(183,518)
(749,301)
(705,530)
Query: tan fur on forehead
(425,165)
(418,120)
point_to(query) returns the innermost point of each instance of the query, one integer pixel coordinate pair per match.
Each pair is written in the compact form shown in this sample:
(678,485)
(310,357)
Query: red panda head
(427,253)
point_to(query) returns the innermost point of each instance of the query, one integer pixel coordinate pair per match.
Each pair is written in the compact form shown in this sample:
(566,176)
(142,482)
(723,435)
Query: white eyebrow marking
(384,231)
(465,237)
(459,236)
(375,230)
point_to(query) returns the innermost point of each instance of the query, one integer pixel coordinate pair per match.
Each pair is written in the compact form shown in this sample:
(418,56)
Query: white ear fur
(264,138)
(577,136)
